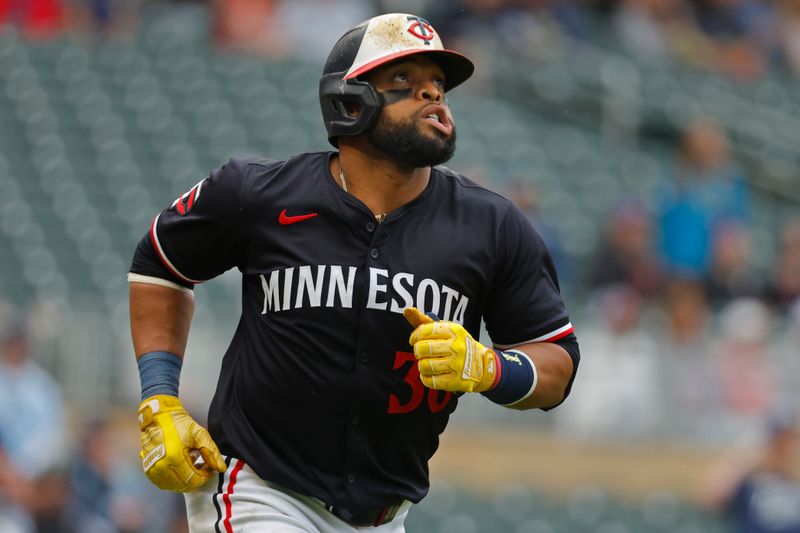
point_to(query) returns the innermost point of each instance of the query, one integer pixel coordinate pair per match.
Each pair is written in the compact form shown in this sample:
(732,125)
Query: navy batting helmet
(369,45)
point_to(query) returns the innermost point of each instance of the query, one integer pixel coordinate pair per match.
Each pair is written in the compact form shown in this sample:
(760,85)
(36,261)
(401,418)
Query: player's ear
(353,108)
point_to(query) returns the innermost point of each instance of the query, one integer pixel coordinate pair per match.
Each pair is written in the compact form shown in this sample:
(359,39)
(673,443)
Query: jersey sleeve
(199,236)
(146,267)
(525,303)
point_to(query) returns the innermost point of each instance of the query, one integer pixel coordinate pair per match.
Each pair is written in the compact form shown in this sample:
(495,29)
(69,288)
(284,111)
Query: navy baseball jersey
(319,390)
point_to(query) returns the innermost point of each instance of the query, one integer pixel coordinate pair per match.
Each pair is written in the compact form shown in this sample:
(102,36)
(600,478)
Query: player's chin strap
(518,378)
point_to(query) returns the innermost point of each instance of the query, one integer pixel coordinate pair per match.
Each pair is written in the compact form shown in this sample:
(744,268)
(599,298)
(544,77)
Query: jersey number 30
(435,403)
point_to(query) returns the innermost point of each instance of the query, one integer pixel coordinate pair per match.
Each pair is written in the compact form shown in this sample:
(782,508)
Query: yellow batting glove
(171,443)
(448,357)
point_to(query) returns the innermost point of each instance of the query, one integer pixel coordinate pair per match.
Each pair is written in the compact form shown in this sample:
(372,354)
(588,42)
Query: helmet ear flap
(335,92)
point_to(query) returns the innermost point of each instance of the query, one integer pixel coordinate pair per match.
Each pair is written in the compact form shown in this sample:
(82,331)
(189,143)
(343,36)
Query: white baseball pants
(241,502)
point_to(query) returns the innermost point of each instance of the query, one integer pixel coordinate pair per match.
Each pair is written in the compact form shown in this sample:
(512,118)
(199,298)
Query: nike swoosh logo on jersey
(285,219)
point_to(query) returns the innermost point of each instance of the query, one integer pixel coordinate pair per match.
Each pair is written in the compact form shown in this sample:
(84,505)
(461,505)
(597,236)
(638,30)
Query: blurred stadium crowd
(743,39)
(654,144)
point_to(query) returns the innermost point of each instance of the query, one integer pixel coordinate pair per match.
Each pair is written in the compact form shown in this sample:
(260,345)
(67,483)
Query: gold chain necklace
(379,217)
(341,176)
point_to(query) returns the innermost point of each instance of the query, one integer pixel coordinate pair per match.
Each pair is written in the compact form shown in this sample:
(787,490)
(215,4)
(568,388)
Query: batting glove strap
(159,373)
(518,378)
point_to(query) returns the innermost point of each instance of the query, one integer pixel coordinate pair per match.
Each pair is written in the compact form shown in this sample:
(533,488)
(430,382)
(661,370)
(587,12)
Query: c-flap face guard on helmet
(334,92)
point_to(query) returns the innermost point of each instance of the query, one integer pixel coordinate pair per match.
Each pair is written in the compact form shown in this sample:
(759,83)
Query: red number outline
(435,404)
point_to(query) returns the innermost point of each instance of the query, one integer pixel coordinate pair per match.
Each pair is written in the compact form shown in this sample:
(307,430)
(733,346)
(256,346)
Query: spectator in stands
(301,28)
(788,33)
(751,21)
(658,30)
(243,26)
(619,393)
(16,494)
(32,431)
(732,273)
(742,32)
(787,350)
(759,489)
(92,508)
(307,27)
(532,29)
(627,253)
(692,396)
(109,494)
(105,18)
(49,505)
(744,365)
(38,19)
(784,286)
(705,191)
(31,408)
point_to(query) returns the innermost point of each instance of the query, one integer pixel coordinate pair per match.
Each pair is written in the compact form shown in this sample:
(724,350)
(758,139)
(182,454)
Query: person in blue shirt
(705,191)
(32,429)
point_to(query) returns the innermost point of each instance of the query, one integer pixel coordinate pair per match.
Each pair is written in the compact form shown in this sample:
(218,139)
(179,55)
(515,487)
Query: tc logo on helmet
(421,29)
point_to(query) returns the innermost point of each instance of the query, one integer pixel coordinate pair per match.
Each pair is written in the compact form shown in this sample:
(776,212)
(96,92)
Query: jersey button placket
(371,226)
(364,357)
(374,253)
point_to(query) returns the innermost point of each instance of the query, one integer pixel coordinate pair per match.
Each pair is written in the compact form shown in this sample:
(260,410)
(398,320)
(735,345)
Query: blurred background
(653,143)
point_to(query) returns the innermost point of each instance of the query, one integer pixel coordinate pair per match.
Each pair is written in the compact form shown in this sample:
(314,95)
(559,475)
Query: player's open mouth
(436,116)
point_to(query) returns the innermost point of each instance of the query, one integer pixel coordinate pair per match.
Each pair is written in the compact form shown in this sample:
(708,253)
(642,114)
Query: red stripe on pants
(227,496)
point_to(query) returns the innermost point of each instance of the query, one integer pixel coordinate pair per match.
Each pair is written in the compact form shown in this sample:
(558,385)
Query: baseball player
(365,274)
